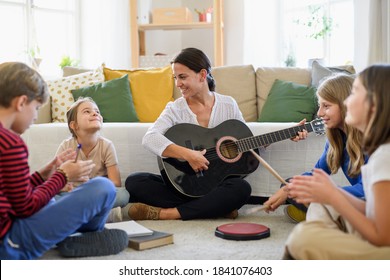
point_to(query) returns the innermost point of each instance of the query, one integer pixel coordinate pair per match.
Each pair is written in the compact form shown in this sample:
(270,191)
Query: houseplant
(317,27)
(68,61)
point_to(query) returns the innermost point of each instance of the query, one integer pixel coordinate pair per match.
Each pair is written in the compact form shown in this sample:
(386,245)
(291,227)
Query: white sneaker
(115,215)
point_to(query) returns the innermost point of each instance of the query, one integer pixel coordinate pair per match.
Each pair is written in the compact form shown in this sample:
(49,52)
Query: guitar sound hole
(228,149)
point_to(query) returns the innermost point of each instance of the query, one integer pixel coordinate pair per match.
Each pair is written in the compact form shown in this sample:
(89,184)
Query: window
(41,29)
(292,32)
(317,29)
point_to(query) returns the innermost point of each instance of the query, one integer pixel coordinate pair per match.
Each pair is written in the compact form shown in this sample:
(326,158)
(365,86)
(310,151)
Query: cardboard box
(171,15)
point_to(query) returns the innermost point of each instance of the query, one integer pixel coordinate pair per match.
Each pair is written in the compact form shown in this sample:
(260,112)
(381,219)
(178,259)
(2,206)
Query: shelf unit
(137,32)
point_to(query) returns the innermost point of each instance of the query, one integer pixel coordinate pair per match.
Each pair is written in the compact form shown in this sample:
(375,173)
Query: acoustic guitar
(227,147)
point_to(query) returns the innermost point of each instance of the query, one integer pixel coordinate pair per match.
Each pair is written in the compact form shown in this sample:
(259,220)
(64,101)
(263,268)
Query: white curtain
(105,33)
(379,22)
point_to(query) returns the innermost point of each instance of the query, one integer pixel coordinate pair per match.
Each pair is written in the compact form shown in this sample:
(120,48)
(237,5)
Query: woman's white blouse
(225,108)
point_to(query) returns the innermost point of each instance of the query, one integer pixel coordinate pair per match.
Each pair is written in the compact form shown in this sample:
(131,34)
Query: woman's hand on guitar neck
(301,135)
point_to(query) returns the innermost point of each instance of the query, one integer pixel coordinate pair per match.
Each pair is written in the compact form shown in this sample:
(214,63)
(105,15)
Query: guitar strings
(211,153)
(252,142)
(232,147)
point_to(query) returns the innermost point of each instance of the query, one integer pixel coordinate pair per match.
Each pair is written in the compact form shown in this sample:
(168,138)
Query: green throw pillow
(113,98)
(289,102)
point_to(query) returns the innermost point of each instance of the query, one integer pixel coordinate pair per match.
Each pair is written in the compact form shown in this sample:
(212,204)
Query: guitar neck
(254,142)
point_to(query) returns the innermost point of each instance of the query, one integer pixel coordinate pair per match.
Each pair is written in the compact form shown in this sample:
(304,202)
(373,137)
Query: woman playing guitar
(199,105)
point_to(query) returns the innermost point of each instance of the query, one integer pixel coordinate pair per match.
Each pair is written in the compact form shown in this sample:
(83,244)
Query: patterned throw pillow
(60,91)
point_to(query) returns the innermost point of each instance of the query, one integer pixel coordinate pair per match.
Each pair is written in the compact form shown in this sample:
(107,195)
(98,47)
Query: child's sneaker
(294,214)
(115,215)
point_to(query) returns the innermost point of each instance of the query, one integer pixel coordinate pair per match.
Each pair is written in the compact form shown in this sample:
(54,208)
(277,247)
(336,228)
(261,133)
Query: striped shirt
(21,194)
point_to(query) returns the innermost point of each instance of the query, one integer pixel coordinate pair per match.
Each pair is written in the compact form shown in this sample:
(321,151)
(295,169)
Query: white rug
(196,240)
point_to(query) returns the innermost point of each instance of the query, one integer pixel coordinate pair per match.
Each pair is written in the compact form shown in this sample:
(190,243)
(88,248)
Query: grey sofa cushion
(319,72)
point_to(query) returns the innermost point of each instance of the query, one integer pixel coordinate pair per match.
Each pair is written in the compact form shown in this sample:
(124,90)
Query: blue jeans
(122,197)
(84,209)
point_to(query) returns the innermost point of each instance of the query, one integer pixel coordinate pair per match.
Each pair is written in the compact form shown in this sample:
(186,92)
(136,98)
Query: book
(157,239)
(131,227)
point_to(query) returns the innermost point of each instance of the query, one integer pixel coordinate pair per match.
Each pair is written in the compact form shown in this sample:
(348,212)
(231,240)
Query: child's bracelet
(60,170)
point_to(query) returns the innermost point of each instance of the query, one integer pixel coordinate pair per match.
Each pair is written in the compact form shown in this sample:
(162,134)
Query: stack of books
(140,237)
(157,239)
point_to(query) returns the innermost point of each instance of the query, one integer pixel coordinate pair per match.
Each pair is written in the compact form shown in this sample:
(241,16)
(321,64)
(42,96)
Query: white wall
(233,33)
(105,33)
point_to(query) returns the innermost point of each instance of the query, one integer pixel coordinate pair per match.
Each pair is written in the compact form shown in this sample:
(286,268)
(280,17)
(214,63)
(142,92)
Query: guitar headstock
(318,126)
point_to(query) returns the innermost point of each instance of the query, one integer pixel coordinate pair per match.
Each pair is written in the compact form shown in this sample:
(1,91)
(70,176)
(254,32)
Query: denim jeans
(84,209)
(122,197)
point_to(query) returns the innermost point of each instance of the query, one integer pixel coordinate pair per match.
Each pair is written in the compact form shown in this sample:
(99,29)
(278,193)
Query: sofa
(249,86)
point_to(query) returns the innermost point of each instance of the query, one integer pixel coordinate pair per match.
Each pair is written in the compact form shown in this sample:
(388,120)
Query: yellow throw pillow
(151,88)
